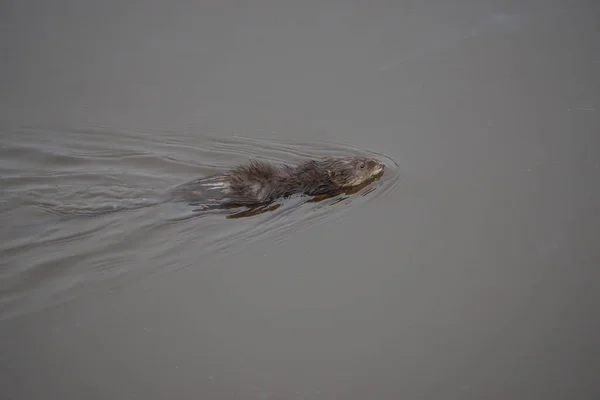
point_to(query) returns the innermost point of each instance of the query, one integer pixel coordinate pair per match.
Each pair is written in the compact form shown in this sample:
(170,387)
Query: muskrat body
(259,183)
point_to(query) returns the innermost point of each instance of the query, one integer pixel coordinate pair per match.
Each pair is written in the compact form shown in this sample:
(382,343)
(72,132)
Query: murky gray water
(469,271)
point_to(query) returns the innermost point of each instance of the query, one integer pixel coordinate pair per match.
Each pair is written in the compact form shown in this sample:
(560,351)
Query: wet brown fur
(261,183)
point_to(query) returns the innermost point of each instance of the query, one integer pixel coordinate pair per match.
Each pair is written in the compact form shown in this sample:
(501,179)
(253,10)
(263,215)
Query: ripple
(49,174)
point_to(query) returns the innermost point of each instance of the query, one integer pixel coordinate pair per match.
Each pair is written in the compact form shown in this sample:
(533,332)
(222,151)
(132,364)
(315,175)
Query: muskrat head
(353,171)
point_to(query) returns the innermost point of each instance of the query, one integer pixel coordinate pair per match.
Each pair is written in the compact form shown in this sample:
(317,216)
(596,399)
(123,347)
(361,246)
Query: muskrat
(260,183)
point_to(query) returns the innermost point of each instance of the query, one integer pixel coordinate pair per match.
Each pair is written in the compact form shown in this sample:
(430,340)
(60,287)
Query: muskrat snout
(379,167)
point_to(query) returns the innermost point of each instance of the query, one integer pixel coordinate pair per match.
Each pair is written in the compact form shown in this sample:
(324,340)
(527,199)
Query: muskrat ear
(331,173)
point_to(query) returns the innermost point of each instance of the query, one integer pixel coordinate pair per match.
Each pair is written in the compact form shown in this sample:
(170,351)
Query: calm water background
(471,271)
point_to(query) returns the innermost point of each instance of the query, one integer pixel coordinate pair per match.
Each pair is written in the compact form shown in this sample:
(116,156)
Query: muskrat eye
(361,165)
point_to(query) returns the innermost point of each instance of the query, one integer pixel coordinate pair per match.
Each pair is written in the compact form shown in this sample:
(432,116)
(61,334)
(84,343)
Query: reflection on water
(55,182)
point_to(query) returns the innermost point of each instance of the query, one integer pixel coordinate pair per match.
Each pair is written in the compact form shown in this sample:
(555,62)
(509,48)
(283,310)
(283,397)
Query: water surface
(471,272)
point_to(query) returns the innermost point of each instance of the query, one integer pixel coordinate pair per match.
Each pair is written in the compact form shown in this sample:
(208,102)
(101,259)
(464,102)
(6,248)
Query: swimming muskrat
(260,183)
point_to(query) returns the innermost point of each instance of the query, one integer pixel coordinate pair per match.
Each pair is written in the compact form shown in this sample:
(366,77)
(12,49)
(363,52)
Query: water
(469,271)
